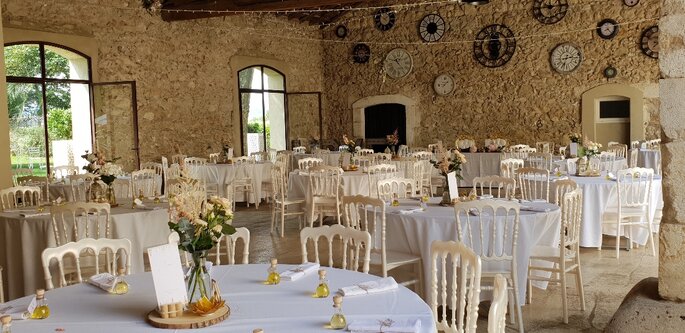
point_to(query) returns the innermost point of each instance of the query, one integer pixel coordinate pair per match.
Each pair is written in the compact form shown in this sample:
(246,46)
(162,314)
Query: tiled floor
(606,279)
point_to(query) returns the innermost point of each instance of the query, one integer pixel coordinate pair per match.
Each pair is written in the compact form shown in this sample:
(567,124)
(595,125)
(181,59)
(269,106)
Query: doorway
(381,120)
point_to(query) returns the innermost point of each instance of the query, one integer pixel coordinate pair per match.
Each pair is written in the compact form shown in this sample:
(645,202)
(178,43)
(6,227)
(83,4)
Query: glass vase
(198,281)
(111,197)
(446,200)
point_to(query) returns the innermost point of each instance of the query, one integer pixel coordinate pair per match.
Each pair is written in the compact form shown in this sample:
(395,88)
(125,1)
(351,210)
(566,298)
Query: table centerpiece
(106,170)
(392,139)
(446,163)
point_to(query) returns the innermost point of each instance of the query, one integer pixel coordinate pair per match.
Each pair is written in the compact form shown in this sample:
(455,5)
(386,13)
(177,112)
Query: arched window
(48,95)
(264,117)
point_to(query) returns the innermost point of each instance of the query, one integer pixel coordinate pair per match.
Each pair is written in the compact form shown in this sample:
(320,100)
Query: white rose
(199,222)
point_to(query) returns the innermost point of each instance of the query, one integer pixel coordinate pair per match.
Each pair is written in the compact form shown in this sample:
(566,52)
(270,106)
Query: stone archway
(413,114)
(590,107)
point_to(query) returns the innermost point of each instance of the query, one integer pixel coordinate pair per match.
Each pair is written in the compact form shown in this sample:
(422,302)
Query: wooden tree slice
(189,319)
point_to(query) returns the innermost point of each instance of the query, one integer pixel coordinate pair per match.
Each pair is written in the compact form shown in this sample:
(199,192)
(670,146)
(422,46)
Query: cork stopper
(121,271)
(322,273)
(6,319)
(40,293)
(257,330)
(337,301)
(274,262)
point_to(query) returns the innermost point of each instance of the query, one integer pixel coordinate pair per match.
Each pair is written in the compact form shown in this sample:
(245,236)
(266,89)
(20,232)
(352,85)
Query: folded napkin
(369,287)
(562,178)
(385,326)
(485,196)
(611,176)
(300,271)
(539,200)
(104,281)
(535,209)
(19,312)
(34,214)
(409,211)
(474,212)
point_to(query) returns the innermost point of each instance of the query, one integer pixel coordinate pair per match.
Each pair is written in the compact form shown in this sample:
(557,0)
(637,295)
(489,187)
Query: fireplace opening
(381,120)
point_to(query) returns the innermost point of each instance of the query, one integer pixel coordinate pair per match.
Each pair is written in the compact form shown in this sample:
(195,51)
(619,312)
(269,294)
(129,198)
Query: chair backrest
(400,187)
(571,165)
(378,172)
(20,196)
(353,242)
(518,147)
(633,158)
(462,294)
(416,174)
(403,150)
(299,150)
(498,187)
(607,160)
(324,181)
(620,149)
(144,181)
(490,228)
(571,219)
(19,172)
(120,248)
(285,158)
(231,241)
(634,187)
(362,161)
(85,219)
(422,155)
(156,167)
(365,152)
(561,187)
(418,149)
(534,183)
(509,166)
(178,158)
(213,158)
(122,188)
(64,171)
(544,147)
(193,164)
(260,156)
(497,315)
(634,144)
(80,185)
(382,157)
(562,151)
(278,183)
(308,162)
(540,160)
(39,181)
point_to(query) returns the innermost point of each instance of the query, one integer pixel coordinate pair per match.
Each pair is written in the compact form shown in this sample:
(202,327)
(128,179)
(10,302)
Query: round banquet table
(224,174)
(620,164)
(413,233)
(649,158)
(286,307)
(66,192)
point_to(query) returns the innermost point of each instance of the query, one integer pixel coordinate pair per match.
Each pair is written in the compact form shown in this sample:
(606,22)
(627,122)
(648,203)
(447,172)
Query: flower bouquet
(351,144)
(574,145)
(447,164)
(106,171)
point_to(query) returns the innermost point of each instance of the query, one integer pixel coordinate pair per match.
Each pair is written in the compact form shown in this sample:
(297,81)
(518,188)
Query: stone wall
(524,101)
(186,87)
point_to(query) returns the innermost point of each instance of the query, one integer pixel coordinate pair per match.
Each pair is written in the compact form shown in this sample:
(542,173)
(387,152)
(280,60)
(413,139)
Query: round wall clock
(432,27)
(398,63)
(550,11)
(566,58)
(443,84)
(494,46)
(607,28)
(610,72)
(384,19)
(341,31)
(361,53)
(631,3)
(649,42)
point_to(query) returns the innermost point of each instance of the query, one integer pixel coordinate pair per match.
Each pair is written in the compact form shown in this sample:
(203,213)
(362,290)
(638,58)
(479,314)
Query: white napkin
(34,214)
(535,209)
(485,196)
(474,212)
(611,176)
(562,178)
(140,205)
(409,211)
(385,326)
(300,271)
(19,312)
(104,281)
(539,200)
(370,287)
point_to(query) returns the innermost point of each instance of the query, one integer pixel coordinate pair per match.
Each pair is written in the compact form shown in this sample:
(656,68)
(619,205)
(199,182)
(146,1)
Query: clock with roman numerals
(649,42)
(398,63)
(494,45)
(550,11)
(566,58)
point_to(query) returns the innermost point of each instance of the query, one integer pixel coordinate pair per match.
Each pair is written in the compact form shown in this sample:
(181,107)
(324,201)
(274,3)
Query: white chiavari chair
(621,150)
(241,234)
(631,208)
(632,163)
(362,161)
(343,148)
(399,187)
(39,181)
(566,256)
(416,174)
(496,186)
(634,144)
(120,248)
(144,182)
(544,147)
(322,154)
(285,159)
(427,178)
(490,228)
(305,163)
(299,150)
(422,155)
(497,315)
(73,221)
(325,192)
(122,188)
(534,184)
(260,156)
(376,173)
(433,147)
(455,262)
(561,187)
(64,171)
(607,161)
(368,214)
(382,157)
(196,167)
(159,170)
(403,150)
(365,152)
(282,205)
(178,158)
(521,153)
(20,196)
(413,150)
(213,158)
(20,172)
(80,185)
(540,160)
(571,165)
(562,151)
(243,181)
(173,172)
(353,242)
(509,166)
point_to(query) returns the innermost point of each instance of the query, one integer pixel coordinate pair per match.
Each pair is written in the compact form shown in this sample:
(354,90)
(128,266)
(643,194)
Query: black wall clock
(649,42)
(432,27)
(361,53)
(607,28)
(610,72)
(494,46)
(341,31)
(384,19)
(550,11)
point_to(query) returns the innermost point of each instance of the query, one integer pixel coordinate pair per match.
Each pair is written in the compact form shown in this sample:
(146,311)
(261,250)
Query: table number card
(167,274)
(452,185)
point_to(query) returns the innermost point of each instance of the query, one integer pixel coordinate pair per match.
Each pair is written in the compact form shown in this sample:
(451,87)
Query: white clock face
(444,84)
(631,3)
(398,63)
(566,58)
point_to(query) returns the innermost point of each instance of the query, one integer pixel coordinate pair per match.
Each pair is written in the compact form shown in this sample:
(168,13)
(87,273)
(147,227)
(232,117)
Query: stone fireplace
(412,115)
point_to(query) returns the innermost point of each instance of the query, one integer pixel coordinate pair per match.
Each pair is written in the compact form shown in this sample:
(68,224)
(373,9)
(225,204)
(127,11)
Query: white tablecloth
(24,239)
(649,158)
(287,307)
(224,174)
(479,165)
(353,183)
(414,233)
(65,191)
(597,192)
(620,164)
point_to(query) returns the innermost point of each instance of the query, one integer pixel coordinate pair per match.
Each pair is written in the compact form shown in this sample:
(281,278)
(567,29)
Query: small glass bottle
(6,324)
(157,197)
(121,286)
(42,310)
(322,290)
(338,321)
(273,277)
(141,195)
(395,200)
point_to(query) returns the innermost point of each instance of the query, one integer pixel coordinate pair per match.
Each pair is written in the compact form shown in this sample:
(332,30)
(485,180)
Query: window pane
(253,122)
(250,78)
(23,60)
(275,120)
(64,64)
(273,80)
(69,127)
(27,134)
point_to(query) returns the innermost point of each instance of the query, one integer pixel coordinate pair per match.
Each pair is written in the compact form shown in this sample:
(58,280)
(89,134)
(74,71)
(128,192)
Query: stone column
(672,96)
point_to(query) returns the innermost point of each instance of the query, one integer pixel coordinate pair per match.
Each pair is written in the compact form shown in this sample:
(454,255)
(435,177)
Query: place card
(452,185)
(167,274)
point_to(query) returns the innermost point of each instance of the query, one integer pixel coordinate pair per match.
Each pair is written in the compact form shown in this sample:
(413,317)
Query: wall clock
(361,53)
(443,84)
(494,45)
(432,27)
(649,42)
(566,58)
(398,63)
(607,28)
(610,72)
(384,19)
(550,11)
(341,31)
(631,3)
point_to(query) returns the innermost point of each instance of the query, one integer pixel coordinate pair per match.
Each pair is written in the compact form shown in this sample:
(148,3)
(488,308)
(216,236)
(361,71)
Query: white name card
(452,184)
(167,274)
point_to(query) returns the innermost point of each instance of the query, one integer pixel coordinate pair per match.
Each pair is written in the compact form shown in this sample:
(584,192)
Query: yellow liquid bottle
(322,290)
(273,277)
(157,200)
(395,201)
(338,321)
(42,310)
(141,196)
(121,286)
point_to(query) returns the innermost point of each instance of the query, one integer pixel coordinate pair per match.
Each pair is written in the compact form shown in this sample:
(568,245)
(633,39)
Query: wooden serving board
(189,319)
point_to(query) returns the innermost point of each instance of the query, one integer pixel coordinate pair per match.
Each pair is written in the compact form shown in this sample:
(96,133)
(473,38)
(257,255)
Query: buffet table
(287,307)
